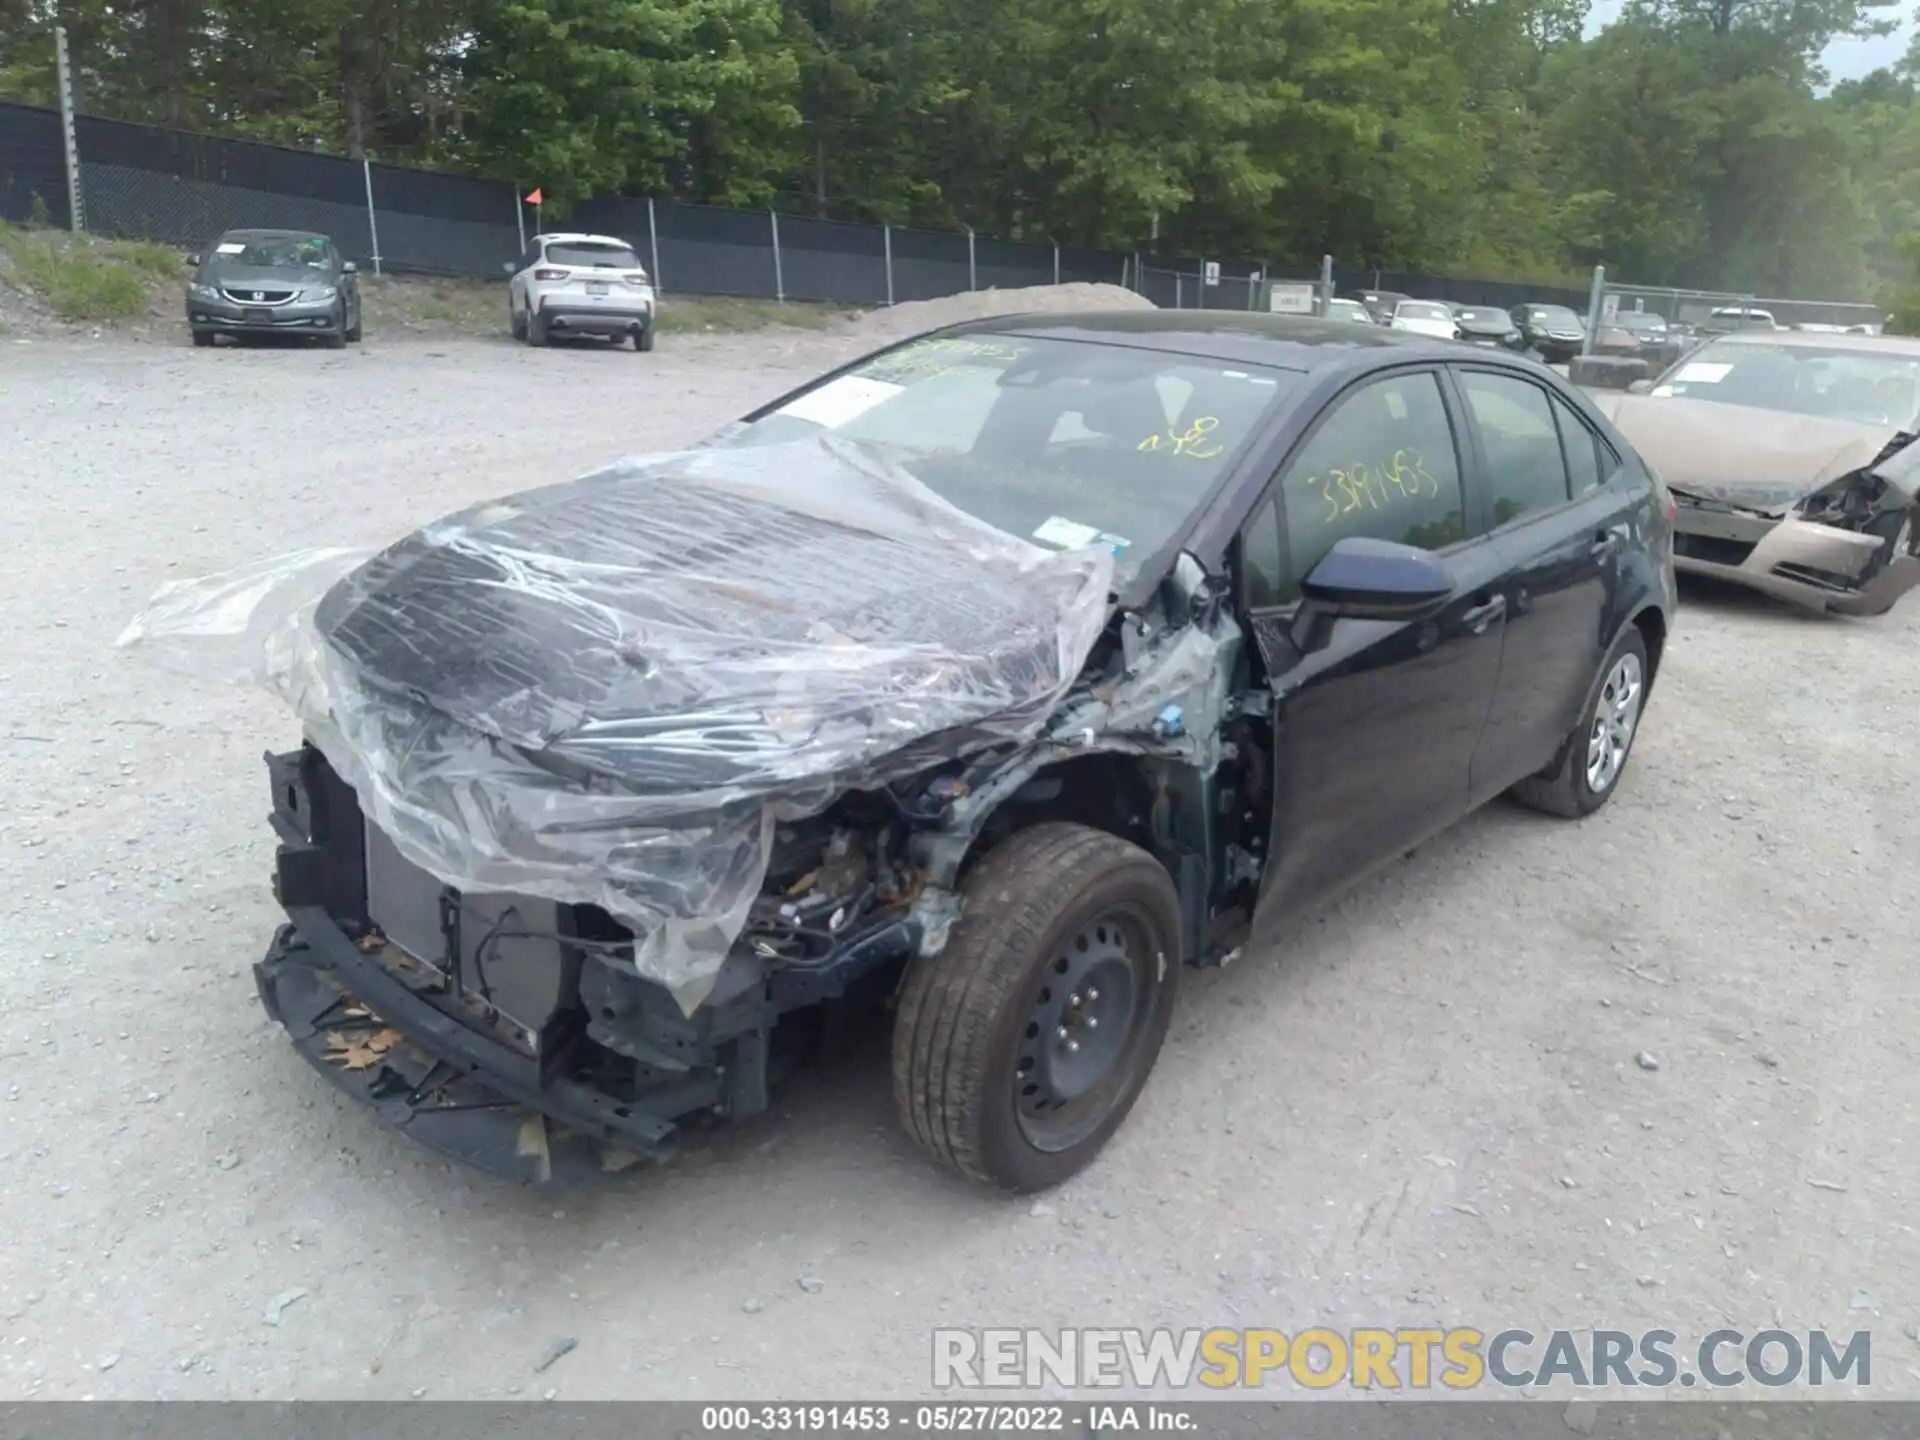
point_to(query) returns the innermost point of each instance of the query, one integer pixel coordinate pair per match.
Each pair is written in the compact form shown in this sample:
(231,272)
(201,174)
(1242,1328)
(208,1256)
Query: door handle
(1604,544)
(1480,616)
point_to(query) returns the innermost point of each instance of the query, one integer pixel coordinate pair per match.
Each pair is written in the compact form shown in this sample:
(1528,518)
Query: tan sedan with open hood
(1790,458)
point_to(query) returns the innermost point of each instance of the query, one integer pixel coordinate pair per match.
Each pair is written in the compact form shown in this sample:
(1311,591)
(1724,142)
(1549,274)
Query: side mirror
(347,267)
(1366,579)
(1640,387)
(194,260)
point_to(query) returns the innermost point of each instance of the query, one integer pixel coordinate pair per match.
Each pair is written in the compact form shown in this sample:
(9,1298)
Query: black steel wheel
(1020,1048)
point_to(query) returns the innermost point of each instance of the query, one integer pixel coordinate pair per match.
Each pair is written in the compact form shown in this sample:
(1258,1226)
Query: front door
(1374,734)
(1561,530)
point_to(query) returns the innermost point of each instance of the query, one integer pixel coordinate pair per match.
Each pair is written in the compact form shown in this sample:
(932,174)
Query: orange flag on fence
(534,198)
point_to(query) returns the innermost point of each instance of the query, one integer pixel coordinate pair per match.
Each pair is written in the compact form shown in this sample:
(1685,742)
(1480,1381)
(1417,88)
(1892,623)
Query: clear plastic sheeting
(609,691)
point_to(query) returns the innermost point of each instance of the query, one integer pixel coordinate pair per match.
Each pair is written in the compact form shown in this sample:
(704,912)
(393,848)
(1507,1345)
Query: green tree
(586,97)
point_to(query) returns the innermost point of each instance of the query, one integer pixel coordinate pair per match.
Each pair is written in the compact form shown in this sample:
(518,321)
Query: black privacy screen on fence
(33,167)
(145,182)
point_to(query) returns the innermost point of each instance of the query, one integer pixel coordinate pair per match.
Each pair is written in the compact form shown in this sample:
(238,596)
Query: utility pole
(76,217)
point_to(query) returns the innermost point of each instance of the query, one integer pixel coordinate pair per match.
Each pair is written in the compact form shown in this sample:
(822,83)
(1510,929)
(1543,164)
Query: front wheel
(1020,1048)
(1595,754)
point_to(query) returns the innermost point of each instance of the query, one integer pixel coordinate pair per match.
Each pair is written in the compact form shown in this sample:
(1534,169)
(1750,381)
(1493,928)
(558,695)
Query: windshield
(589,254)
(1065,443)
(1482,315)
(272,252)
(1422,310)
(1640,323)
(1836,383)
(1556,316)
(1348,310)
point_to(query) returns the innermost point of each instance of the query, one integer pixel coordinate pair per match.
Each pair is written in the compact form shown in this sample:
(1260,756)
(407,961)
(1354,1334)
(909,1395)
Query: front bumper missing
(1799,561)
(453,1089)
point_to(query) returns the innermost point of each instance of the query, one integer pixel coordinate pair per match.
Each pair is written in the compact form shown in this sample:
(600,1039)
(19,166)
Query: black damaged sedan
(991,680)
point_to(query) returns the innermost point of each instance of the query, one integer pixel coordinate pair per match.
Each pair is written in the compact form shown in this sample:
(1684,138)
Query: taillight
(1669,509)
(636,277)
(549,274)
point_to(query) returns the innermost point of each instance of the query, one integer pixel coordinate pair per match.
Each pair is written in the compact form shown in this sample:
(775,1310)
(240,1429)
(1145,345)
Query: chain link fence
(146,182)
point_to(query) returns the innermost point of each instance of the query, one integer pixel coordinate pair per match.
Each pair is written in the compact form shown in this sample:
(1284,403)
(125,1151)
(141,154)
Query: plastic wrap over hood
(608,691)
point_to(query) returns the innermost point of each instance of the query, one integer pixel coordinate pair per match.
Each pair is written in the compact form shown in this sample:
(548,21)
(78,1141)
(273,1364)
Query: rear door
(1561,529)
(1373,734)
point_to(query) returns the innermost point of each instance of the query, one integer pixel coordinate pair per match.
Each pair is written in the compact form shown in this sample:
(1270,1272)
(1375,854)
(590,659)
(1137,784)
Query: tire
(643,339)
(202,339)
(1569,788)
(981,1058)
(516,322)
(336,339)
(353,332)
(536,328)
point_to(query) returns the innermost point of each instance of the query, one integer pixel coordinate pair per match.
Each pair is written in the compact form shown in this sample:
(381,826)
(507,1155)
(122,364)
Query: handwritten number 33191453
(1361,487)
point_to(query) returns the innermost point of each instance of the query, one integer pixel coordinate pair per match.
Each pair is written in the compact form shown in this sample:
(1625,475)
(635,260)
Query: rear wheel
(643,338)
(1595,754)
(516,322)
(1020,1048)
(536,328)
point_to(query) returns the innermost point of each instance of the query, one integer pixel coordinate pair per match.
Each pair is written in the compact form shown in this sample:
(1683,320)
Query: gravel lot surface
(1424,1106)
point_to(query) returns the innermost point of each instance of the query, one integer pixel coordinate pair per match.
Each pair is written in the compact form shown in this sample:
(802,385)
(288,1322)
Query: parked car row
(255,282)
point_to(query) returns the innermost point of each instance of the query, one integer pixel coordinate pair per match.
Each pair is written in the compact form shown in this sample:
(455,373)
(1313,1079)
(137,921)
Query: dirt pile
(899,321)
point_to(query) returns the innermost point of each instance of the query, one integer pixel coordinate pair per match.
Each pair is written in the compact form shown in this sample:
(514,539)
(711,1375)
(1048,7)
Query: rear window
(1422,310)
(1481,315)
(589,254)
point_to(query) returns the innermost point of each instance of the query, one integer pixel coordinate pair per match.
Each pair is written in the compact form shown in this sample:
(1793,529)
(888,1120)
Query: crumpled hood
(727,619)
(1764,460)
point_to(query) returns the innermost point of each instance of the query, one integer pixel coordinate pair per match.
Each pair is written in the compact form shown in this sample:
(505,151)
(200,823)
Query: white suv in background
(580,285)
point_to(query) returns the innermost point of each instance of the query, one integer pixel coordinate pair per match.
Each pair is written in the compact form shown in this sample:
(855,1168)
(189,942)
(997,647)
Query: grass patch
(79,277)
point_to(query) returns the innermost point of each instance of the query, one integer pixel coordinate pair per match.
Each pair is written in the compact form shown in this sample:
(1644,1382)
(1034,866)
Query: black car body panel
(1553,331)
(1212,722)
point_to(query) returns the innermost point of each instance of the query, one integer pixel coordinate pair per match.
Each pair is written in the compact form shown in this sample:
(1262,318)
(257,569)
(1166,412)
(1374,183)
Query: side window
(1525,465)
(1383,464)
(1585,472)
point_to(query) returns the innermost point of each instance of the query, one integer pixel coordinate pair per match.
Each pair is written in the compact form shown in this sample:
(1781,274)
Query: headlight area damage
(610,790)
(1847,547)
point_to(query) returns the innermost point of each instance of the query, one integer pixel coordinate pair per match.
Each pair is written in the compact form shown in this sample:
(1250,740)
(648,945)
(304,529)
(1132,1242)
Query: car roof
(1825,340)
(1284,342)
(577,237)
(276,235)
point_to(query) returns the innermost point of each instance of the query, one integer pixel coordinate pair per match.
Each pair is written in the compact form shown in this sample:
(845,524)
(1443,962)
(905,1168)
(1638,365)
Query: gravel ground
(1424,1106)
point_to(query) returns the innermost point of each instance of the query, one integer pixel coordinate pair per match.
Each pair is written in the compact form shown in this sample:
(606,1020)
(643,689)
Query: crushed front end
(513,1033)
(1846,548)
